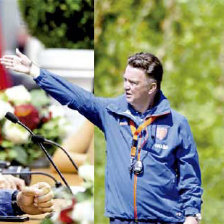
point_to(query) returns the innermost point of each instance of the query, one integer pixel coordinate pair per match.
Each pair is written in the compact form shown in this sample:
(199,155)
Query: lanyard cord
(137,133)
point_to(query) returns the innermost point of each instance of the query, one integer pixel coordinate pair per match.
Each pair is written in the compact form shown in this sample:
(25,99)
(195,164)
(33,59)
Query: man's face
(136,85)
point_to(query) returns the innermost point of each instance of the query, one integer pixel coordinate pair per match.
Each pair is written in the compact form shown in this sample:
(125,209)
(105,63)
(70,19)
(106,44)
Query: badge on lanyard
(138,167)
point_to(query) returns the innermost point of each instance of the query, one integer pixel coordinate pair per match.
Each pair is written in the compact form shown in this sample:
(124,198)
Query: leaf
(21,154)
(39,98)
(7,144)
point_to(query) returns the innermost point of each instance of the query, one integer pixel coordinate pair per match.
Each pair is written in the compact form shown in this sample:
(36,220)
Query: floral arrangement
(77,209)
(34,110)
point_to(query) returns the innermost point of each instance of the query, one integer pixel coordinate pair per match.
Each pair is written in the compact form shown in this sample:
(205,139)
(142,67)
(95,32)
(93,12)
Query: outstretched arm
(66,93)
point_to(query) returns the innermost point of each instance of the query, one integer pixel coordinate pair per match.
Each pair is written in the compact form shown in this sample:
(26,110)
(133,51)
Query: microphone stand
(60,174)
(38,140)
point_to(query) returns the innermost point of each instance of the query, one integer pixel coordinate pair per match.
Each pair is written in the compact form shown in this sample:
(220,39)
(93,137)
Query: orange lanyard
(137,132)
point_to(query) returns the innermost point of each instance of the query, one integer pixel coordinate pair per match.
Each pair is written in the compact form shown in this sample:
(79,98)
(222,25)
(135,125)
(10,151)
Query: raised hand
(19,62)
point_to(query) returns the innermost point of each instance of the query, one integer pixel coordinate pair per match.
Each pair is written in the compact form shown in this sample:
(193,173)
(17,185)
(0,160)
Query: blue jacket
(6,202)
(170,187)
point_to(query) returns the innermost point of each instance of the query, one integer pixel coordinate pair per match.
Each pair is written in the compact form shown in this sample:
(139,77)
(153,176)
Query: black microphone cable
(56,144)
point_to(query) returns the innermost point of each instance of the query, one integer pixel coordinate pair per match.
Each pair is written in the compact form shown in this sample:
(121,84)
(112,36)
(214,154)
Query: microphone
(10,116)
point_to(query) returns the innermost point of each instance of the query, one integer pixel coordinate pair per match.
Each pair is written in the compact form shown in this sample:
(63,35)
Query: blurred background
(188,37)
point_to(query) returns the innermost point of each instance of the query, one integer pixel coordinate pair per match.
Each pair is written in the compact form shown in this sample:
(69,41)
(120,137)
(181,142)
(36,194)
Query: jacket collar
(122,107)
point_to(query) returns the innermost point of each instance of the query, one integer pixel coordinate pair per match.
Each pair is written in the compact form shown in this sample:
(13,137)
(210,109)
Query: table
(72,179)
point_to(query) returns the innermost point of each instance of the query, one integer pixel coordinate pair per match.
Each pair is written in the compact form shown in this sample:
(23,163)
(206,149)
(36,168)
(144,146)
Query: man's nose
(126,85)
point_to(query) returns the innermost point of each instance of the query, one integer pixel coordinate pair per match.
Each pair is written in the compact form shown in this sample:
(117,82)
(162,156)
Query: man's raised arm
(66,93)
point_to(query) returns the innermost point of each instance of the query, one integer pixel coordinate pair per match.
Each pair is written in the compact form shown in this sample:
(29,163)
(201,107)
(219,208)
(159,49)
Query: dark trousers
(130,221)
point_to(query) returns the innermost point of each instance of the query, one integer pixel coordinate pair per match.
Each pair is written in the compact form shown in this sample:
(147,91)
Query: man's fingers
(44,198)
(51,209)
(8,57)
(7,64)
(6,60)
(43,188)
(11,58)
(20,184)
(38,189)
(9,182)
(41,185)
(46,204)
(18,53)
(12,184)
(29,191)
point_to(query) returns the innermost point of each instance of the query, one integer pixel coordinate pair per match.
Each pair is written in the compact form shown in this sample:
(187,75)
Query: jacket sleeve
(189,172)
(73,96)
(5,202)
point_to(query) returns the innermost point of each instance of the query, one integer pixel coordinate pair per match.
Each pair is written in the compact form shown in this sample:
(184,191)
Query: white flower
(84,212)
(15,133)
(87,172)
(57,111)
(77,189)
(18,95)
(55,217)
(4,108)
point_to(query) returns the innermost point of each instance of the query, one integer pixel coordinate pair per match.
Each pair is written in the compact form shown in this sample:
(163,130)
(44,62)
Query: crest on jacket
(161,133)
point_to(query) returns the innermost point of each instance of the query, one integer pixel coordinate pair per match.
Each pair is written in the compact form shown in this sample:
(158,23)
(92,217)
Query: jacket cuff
(40,76)
(5,202)
(17,210)
(191,211)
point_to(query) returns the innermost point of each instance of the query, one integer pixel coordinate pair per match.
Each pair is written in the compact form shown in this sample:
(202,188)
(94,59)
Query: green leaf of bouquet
(7,144)
(82,196)
(12,154)
(3,96)
(47,221)
(39,98)
(3,155)
(21,154)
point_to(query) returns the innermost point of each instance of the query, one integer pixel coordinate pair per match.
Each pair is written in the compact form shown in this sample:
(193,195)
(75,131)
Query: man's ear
(152,88)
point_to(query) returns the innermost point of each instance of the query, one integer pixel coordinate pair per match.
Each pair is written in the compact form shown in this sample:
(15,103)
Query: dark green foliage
(60,24)
(188,38)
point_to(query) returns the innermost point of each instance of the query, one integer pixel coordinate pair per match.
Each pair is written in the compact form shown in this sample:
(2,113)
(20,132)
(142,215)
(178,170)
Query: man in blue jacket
(152,171)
